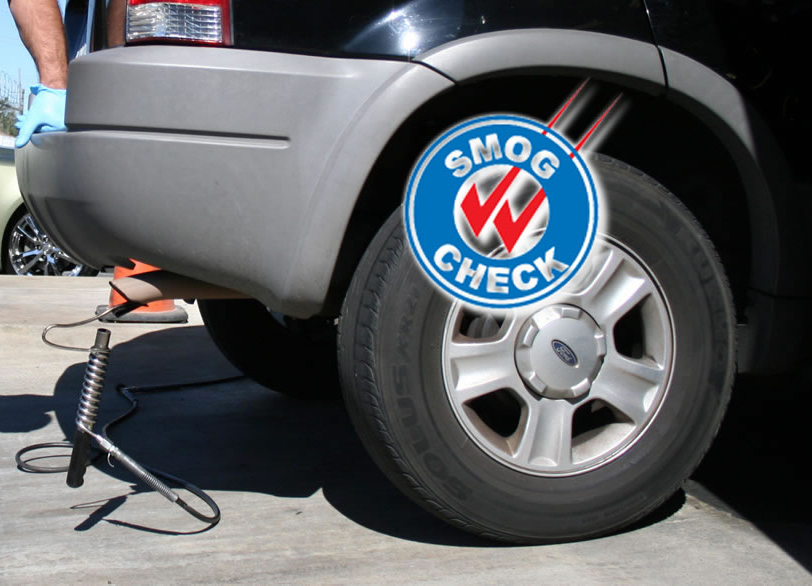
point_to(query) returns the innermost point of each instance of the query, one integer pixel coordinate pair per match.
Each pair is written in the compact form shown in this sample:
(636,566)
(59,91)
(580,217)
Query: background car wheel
(28,250)
(293,356)
(473,415)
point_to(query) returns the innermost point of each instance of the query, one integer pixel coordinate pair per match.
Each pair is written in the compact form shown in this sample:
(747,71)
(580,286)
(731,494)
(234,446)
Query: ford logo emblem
(565,353)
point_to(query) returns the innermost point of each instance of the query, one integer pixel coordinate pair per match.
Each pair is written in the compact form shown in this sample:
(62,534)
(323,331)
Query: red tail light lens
(192,21)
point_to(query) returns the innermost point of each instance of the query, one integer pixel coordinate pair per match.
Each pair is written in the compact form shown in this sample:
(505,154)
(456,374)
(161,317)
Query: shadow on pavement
(242,437)
(238,436)
(759,463)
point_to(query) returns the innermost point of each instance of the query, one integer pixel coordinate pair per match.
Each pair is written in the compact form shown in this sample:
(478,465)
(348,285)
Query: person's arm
(40,26)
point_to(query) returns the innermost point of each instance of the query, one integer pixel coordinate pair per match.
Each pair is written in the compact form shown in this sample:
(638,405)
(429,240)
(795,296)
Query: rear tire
(460,460)
(292,356)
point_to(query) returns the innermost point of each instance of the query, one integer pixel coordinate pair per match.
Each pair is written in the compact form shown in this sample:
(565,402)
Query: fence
(12,94)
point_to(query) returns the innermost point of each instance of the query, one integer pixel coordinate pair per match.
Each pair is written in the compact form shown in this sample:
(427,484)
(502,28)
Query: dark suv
(264,146)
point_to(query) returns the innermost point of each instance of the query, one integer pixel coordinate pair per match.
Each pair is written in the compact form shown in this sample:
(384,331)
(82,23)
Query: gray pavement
(301,501)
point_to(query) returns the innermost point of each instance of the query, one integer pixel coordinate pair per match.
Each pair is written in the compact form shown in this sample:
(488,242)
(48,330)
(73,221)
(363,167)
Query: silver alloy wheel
(570,384)
(31,252)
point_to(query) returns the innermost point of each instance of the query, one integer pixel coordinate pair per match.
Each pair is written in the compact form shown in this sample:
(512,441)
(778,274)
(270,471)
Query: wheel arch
(778,265)
(730,142)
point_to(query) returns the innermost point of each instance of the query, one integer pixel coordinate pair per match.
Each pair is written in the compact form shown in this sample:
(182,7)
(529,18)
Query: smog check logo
(501,211)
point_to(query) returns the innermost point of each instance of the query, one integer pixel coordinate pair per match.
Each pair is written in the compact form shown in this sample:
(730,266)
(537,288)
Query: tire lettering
(399,374)
(457,488)
(406,324)
(435,466)
(406,406)
(408,413)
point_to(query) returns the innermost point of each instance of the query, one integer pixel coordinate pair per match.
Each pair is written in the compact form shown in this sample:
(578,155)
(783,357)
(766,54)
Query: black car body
(267,166)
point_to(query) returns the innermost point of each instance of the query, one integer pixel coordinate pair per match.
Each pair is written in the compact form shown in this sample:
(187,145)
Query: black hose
(129,394)
(26,466)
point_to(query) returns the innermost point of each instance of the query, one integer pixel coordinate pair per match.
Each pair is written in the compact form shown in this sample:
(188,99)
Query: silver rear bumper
(238,168)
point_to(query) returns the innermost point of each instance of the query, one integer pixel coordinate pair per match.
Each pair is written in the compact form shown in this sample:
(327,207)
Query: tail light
(192,21)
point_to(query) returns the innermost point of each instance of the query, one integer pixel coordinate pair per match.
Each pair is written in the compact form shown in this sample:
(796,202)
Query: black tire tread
(360,395)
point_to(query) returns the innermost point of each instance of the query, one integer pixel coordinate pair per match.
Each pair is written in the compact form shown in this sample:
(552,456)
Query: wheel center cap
(560,351)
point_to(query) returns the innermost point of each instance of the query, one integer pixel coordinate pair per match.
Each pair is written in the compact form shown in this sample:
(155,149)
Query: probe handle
(78,459)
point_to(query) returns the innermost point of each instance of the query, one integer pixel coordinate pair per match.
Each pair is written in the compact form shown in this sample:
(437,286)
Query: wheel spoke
(65,264)
(597,273)
(611,307)
(29,230)
(64,256)
(51,263)
(628,385)
(612,288)
(482,366)
(25,236)
(29,221)
(547,435)
(26,268)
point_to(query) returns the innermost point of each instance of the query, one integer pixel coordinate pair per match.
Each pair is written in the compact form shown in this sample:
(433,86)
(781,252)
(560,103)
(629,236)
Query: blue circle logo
(501,211)
(564,352)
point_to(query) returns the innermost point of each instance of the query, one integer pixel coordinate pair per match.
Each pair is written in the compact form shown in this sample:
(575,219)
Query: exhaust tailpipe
(157,285)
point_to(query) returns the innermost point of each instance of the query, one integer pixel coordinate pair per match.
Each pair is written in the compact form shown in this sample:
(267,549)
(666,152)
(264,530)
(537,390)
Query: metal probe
(92,386)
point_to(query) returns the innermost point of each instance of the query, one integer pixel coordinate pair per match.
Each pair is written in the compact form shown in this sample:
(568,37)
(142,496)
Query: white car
(26,248)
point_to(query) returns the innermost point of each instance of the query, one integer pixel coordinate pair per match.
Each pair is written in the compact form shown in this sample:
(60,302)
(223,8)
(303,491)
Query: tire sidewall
(458,480)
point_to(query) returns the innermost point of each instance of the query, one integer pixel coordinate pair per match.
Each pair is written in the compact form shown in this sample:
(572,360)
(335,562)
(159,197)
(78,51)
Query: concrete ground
(301,501)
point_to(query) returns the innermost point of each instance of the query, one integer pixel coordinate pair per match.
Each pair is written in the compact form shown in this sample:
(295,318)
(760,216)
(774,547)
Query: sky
(14,59)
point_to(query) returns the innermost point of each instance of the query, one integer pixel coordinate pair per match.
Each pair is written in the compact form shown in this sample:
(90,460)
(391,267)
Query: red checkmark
(478,213)
(511,230)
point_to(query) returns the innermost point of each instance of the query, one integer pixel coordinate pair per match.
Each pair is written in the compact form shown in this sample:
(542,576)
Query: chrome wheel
(31,252)
(568,385)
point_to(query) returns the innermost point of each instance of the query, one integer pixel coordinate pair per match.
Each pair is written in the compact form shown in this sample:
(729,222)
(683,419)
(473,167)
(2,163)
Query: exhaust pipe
(157,285)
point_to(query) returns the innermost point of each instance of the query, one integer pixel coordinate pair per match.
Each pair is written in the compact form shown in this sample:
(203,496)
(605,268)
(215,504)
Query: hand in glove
(46,114)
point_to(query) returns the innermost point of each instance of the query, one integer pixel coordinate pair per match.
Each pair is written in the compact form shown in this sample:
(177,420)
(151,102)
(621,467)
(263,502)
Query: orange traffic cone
(163,311)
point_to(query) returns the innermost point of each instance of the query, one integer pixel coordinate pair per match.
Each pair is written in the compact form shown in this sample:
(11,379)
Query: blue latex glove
(46,114)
